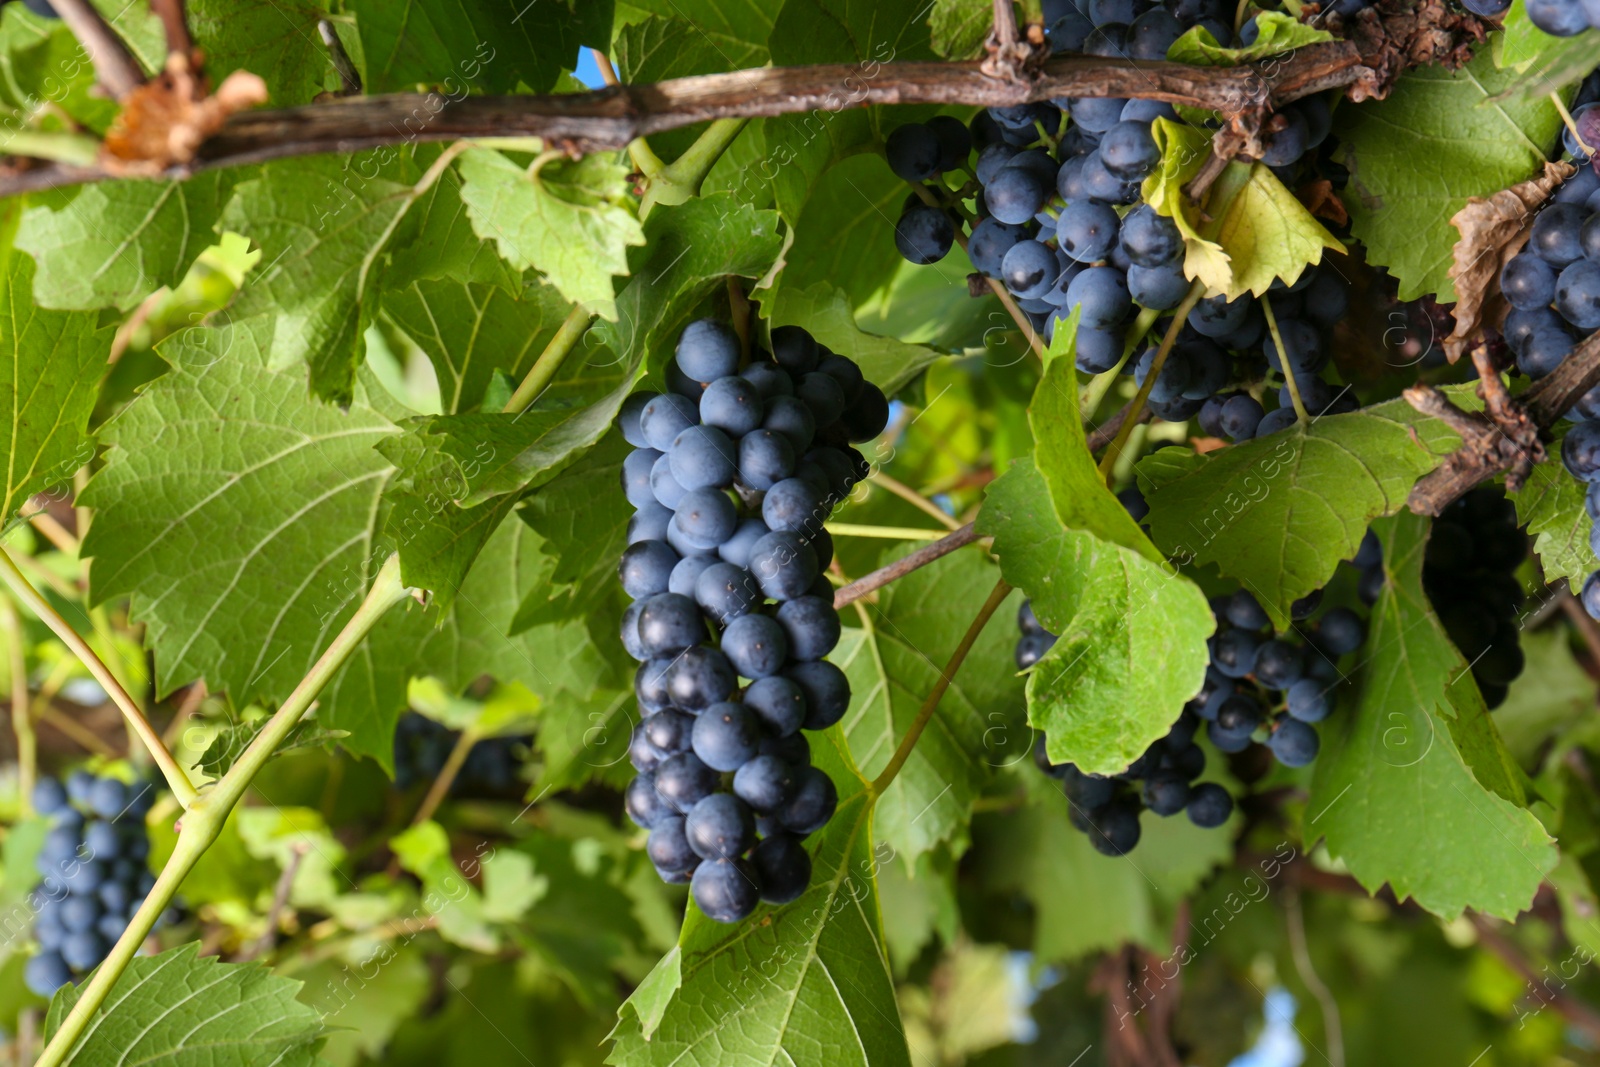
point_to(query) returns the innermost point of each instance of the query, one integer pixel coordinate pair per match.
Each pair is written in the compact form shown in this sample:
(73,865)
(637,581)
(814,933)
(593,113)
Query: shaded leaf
(1551,504)
(179,1009)
(825,312)
(1409,787)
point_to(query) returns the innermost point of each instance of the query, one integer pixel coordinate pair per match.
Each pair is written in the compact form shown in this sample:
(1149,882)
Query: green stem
(896,533)
(21,705)
(177,780)
(886,777)
(1180,315)
(1283,361)
(681,180)
(550,360)
(202,823)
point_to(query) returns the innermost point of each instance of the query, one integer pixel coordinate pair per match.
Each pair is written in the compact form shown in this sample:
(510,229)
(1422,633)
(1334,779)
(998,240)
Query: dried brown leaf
(163,122)
(1493,230)
(1320,199)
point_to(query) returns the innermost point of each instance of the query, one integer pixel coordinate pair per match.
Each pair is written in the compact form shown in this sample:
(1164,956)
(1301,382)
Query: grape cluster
(1055,195)
(1474,547)
(733,473)
(94,873)
(1162,779)
(1274,686)
(422,746)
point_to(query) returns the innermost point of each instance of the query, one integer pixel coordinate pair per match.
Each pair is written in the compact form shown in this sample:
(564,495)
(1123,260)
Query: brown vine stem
(175,24)
(610,118)
(114,64)
(280,901)
(1001,590)
(869,583)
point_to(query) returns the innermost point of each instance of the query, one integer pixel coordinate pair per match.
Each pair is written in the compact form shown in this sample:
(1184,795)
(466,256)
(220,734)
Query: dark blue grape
(784,566)
(664,417)
(1017,193)
(913,151)
(732,405)
(1150,239)
(811,625)
(1129,151)
(1152,34)
(1160,288)
(822,393)
(80,911)
(1147,110)
(736,549)
(642,752)
(720,827)
(1086,230)
(668,846)
(703,457)
(779,703)
(766,783)
(726,736)
(1114,829)
(794,505)
(755,645)
(782,867)
(1295,743)
(683,780)
(1307,700)
(100,839)
(867,416)
(645,568)
(991,239)
(1558,18)
(1528,281)
(765,458)
(794,749)
(1166,792)
(1209,805)
(812,805)
(636,468)
(1029,269)
(1101,184)
(727,591)
(1279,664)
(725,890)
(699,677)
(668,731)
(643,804)
(1238,716)
(1341,632)
(649,523)
(826,690)
(792,418)
(1097,351)
(49,796)
(1101,295)
(924,234)
(1246,612)
(663,486)
(1580,451)
(1577,294)
(46,973)
(683,579)
(1555,236)
(1170,383)
(794,350)
(708,350)
(955,143)
(769,379)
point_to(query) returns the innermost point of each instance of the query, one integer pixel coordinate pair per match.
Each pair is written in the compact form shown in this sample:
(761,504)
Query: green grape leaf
(231,741)
(1546,64)
(179,1009)
(41,63)
(583,525)
(582,741)
(815,978)
(461,46)
(275,39)
(1278,513)
(857,195)
(1411,785)
(825,312)
(958,28)
(1417,156)
(656,49)
(323,227)
(114,243)
(893,659)
(1116,612)
(294,483)
(734,28)
(53,362)
(1551,505)
(1275,32)
(1077,490)
(572,221)
(1250,230)
(472,330)
(1552,693)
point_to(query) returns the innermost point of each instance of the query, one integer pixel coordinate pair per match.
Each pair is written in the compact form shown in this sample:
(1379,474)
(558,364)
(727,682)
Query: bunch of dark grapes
(1055,194)
(1559,18)
(1272,687)
(94,873)
(421,747)
(1162,779)
(1473,550)
(734,472)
